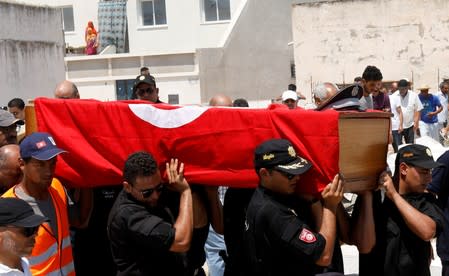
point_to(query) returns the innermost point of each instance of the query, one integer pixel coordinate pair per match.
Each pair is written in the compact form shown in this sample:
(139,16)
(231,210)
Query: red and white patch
(41,144)
(307,236)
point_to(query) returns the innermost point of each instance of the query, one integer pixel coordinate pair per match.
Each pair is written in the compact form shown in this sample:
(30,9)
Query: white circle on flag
(167,118)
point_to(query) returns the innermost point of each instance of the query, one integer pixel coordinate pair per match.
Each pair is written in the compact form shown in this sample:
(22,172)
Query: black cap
(149,79)
(416,155)
(280,155)
(17,212)
(144,78)
(402,83)
(345,99)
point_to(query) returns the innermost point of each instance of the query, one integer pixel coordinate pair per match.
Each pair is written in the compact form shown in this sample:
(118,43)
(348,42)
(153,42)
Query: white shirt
(7,271)
(367,102)
(409,104)
(442,116)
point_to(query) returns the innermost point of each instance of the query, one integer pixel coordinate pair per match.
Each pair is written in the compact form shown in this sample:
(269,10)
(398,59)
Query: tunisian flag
(216,144)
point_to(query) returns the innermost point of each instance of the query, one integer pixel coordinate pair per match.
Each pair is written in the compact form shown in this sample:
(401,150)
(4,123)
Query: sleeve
(150,231)
(418,103)
(427,204)
(387,102)
(436,101)
(297,238)
(393,102)
(439,175)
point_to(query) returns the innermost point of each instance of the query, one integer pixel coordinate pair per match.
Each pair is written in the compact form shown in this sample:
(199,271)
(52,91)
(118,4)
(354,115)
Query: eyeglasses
(148,192)
(286,174)
(141,91)
(26,231)
(10,128)
(30,231)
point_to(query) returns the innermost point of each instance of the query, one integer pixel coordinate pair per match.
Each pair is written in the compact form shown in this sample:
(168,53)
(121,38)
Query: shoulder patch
(307,236)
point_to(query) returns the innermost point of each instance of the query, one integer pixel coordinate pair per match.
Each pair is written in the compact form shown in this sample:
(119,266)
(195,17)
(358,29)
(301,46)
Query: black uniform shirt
(440,186)
(278,240)
(398,250)
(141,237)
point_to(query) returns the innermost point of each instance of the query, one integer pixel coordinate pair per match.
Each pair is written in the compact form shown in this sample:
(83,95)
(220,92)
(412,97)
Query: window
(153,13)
(216,10)
(292,69)
(124,89)
(173,99)
(67,19)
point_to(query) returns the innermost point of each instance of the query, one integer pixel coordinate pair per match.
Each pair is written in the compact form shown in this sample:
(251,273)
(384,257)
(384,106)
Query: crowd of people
(148,226)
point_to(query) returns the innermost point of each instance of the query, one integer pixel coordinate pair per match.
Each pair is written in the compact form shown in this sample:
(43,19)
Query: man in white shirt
(443,97)
(407,103)
(18,228)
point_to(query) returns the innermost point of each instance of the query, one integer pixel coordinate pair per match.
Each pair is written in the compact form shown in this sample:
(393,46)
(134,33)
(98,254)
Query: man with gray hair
(324,91)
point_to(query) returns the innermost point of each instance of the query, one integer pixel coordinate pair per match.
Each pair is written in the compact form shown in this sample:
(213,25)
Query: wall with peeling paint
(335,40)
(31,51)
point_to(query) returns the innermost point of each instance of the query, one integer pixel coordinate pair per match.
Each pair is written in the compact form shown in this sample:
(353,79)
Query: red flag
(216,144)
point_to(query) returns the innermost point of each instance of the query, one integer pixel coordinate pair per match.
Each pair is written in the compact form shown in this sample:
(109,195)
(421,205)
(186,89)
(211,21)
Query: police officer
(276,236)
(408,218)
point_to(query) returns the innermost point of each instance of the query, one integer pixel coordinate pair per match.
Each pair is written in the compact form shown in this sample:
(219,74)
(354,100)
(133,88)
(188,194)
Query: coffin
(358,141)
(364,140)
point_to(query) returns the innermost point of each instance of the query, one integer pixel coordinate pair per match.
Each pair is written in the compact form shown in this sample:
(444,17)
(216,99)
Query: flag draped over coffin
(216,144)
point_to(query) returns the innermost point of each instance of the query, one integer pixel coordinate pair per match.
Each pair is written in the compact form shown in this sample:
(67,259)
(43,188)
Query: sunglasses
(141,91)
(30,231)
(10,128)
(286,174)
(26,231)
(148,192)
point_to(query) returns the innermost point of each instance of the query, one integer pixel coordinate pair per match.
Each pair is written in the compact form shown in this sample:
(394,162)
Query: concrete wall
(335,40)
(31,51)
(255,60)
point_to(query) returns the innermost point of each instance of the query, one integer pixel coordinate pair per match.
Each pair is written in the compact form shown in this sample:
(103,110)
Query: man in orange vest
(52,253)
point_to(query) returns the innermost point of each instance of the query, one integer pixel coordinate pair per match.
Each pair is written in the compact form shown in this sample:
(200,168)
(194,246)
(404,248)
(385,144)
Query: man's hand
(333,193)
(387,184)
(176,180)
(416,127)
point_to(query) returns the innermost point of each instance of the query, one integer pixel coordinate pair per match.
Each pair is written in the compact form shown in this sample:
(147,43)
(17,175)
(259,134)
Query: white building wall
(187,89)
(185,30)
(335,40)
(100,90)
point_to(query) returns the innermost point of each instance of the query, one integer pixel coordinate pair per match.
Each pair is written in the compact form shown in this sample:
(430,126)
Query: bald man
(10,172)
(66,90)
(215,241)
(220,100)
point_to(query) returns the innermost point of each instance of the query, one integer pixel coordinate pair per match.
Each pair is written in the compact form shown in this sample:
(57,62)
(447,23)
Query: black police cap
(416,155)
(345,99)
(280,155)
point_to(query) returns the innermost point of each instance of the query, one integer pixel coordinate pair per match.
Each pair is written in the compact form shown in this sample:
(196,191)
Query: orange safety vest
(50,256)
